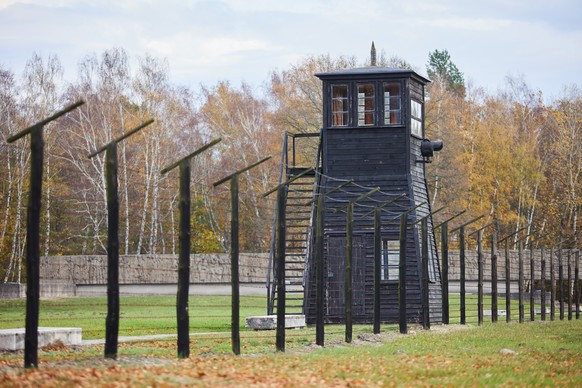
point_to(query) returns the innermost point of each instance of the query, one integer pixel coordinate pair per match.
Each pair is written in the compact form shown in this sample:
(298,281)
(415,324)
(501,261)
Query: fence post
(234,252)
(425,294)
(462,274)
(182,315)
(402,276)
(281,301)
(532,310)
(33,233)
(561,283)
(577,280)
(480,277)
(494,276)
(377,267)
(348,272)
(507,283)
(552,286)
(112,319)
(543,280)
(445,271)
(569,285)
(520,281)
(319,272)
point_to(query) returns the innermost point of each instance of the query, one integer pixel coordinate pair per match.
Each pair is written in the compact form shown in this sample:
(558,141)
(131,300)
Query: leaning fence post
(507,283)
(182,315)
(234,253)
(112,319)
(33,233)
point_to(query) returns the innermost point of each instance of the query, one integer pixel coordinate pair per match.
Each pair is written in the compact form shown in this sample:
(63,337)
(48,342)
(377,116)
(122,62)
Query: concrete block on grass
(269,322)
(13,339)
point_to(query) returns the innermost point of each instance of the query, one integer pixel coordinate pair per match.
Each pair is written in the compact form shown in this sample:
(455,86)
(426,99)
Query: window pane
(416,118)
(339,105)
(365,104)
(390,259)
(392,104)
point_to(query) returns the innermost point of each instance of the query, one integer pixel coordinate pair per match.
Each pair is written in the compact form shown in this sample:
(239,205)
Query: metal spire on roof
(373,55)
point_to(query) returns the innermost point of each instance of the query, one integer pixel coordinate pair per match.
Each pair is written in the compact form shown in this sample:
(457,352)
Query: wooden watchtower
(373,134)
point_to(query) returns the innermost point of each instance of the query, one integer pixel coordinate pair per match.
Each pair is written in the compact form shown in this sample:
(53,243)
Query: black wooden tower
(372,137)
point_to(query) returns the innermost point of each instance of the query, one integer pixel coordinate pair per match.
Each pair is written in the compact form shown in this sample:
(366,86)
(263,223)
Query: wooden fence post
(319,272)
(112,319)
(577,284)
(494,306)
(348,272)
(183,289)
(425,282)
(480,277)
(445,271)
(543,280)
(377,267)
(520,281)
(552,286)
(507,283)
(561,283)
(569,285)
(234,252)
(532,310)
(33,209)
(402,276)
(281,300)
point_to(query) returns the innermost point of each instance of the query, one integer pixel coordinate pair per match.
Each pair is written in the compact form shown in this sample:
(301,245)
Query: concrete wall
(153,269)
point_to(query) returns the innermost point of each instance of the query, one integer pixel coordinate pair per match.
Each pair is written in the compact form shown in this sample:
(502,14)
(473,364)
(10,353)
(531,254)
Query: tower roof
(372,72)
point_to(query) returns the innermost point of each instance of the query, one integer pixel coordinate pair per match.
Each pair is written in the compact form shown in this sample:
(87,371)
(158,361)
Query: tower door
(335,293)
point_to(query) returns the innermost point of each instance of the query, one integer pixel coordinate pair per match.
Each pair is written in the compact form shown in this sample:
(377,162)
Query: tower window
(390,259)
(365,104)
(340,105)
(392,104)
(416,118)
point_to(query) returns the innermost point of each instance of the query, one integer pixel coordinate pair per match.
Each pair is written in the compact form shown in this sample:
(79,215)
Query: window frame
(363,101)
(343,101)
(400,121)
(417,119)
(390,271)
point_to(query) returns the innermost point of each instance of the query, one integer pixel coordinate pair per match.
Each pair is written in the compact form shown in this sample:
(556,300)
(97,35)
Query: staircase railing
(311,235)
(270,269)
(288,162)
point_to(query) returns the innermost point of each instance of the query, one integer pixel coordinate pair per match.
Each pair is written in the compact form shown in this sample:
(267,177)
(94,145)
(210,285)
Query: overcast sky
(206,41)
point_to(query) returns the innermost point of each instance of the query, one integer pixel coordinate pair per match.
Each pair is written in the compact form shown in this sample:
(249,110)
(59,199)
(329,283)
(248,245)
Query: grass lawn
(542,354)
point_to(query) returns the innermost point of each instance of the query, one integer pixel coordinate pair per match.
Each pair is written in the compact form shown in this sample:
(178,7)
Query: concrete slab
(13,339)
(269,322)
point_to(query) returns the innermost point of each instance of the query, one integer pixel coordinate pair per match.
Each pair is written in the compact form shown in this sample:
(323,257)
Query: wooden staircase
(298,213)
